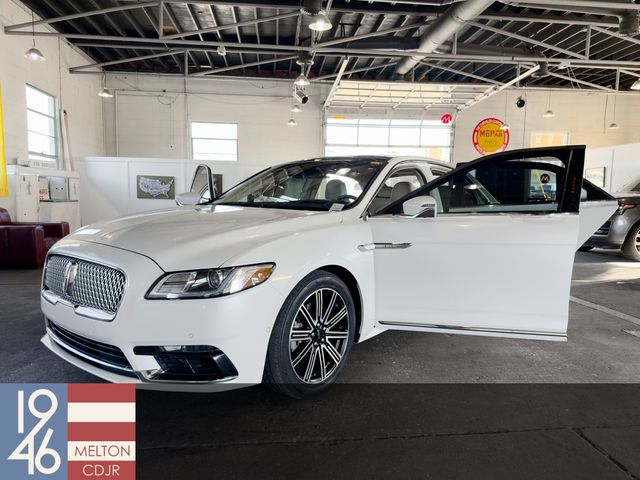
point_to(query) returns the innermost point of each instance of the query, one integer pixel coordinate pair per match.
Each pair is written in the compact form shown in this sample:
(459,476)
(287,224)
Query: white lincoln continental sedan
(274,280)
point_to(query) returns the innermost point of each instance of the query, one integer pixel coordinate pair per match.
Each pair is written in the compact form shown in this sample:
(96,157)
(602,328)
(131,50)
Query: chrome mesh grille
(96,286)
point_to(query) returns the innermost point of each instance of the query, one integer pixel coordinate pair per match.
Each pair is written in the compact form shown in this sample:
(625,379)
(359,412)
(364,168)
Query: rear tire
(631,245)
(312,336)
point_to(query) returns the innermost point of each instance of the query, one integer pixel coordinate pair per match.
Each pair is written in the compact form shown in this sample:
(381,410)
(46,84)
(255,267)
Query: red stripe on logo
(99,432)
(101,392)
(101,470)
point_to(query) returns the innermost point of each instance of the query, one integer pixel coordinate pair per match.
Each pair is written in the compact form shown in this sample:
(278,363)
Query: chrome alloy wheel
(319,335)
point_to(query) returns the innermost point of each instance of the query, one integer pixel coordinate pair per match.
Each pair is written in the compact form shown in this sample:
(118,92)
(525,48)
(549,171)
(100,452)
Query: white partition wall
(108,184)
(621,164)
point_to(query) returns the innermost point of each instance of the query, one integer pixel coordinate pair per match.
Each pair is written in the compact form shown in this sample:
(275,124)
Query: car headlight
(624,207)
(215,282)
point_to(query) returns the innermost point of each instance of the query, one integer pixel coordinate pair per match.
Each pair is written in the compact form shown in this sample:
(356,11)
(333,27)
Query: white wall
(621,164)
(150,117)
(578,113)
(109,183)
(77,94)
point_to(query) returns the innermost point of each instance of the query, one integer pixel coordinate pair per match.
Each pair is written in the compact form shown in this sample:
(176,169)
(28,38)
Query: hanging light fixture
(302,81)
(636,85)
(292,122)
(33,54)
(305,60)
(221,50)
(549,113)
(104,91)
(296,108)
(321,22)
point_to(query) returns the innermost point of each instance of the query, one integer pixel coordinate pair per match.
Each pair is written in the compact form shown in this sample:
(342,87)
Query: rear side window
(397,185)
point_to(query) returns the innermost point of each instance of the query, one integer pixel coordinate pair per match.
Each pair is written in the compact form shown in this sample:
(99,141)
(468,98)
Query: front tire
(312,336)
(631,245)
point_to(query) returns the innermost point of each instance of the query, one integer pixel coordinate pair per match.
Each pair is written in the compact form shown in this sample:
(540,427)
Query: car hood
(629,198)
(182,238)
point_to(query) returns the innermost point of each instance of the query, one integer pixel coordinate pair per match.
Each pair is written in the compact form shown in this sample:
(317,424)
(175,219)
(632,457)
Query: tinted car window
(515,185)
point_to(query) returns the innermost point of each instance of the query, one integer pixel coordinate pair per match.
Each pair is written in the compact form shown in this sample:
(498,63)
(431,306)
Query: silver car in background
(622,230)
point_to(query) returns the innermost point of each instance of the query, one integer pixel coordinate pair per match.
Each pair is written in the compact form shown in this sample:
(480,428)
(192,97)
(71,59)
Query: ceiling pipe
(441,30)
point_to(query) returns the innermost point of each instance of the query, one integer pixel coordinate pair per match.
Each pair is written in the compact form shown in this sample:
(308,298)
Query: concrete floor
(409,405)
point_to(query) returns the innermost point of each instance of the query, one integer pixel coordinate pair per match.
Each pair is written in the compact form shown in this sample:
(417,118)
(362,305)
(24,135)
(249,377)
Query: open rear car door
(491,252)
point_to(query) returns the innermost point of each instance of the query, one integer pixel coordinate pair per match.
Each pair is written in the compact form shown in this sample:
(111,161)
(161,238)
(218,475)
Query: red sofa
(25,245)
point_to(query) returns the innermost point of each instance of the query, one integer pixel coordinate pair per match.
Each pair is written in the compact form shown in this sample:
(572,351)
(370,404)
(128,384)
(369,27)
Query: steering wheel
(347,197)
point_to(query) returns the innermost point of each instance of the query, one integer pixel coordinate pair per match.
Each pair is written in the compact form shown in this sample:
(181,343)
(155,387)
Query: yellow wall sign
(4,182)
(489,137)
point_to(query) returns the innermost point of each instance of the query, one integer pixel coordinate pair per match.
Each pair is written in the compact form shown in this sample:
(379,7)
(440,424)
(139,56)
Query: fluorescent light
(292,122)
(636,85)
(302,80)
(549,114)
(321,23)
(34,55)
(296,108)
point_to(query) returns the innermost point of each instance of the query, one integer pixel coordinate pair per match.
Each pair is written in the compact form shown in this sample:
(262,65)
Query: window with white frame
(214,141)
(424,138)
(42,129)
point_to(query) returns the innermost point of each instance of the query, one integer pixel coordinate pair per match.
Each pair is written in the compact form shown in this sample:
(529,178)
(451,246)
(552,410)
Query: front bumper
(238,325)
(612,233)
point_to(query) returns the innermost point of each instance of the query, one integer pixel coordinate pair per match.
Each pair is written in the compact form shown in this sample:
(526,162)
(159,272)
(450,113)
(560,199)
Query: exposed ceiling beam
(227,26)
(64,18)
(628,38)
(242,65)
(125,60)
(525,39)
(357,70)
(581,82)
(562,4)
(461,72)
(493,90)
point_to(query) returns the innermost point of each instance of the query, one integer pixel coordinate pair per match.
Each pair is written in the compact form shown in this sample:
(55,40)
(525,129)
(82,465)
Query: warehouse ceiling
(579,44)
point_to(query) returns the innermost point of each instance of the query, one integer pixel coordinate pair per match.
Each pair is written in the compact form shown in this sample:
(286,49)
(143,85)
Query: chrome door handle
(384,246)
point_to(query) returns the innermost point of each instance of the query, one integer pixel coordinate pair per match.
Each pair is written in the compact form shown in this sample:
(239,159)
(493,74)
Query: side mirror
(424,206)
(188,198)
(201,188)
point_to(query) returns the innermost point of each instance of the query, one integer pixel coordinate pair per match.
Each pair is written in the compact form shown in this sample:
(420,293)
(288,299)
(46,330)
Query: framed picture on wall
(596,176)
(156,187)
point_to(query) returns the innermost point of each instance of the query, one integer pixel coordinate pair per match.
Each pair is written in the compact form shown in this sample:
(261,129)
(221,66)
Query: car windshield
(319,184)
(632,187)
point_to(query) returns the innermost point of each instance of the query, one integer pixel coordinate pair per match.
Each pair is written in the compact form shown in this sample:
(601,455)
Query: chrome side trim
(89,358)
(475,329)
(88,312)
(384,246)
